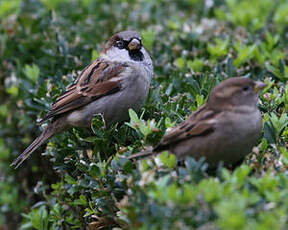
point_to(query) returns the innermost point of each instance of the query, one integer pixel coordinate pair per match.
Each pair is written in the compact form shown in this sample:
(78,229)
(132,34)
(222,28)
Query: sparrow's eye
(245,88)
(120,44)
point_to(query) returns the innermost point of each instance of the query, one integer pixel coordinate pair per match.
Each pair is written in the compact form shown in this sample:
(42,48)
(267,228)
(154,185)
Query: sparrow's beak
(134,44)
(259,85)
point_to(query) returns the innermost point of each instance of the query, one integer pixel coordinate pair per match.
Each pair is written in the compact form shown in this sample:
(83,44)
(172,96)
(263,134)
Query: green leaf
(180,63)
(9,7)
(70,180)
(52,4)
(199,100)
(169,160)
(95,55)
(269,133)
(245,53)
(148,37)
(230,68)
(81,201)
(32,72)
(3,110)
(14,90)
(133,115)
(218,50)
(195,65)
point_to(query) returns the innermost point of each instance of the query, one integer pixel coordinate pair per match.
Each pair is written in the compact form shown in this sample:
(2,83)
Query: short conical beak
(259,85)
(134,44)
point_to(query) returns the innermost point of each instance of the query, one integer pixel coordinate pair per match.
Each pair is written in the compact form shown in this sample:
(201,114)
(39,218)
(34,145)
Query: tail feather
(142,154)
(54,127)
(32,147)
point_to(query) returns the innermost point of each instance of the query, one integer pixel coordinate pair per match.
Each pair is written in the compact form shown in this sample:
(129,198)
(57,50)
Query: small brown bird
(224,129)
(116,81)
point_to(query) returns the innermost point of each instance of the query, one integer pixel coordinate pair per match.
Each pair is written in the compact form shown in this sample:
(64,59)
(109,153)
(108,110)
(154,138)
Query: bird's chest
(114,107)
(134,90)
(242,130)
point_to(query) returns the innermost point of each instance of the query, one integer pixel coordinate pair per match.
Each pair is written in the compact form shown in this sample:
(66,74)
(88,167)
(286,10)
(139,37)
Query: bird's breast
(114,107)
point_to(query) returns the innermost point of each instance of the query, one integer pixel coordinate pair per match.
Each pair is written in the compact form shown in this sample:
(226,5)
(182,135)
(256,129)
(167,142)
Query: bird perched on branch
(224,129)
(116,81)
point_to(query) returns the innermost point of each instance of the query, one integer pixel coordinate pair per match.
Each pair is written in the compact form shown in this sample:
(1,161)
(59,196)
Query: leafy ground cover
(80,181)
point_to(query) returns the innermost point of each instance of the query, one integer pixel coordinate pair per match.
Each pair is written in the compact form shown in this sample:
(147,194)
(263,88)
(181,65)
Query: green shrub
(81,180)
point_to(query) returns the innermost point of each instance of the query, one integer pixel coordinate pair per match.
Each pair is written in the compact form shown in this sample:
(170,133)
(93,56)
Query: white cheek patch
(118,55)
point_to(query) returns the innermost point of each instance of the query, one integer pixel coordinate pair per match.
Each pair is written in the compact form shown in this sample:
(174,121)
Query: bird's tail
(142,154)
(48,132)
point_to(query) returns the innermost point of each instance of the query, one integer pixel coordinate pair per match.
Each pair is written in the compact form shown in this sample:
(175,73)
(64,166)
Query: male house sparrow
(116,81)
(224,129)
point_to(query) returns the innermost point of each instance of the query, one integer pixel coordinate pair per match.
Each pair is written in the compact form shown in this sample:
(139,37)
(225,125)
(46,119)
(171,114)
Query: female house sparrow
(224,129)
(116,81)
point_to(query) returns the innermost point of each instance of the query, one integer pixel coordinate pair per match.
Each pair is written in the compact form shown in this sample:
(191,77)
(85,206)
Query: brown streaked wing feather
(68,92)
(98,79)
(195,125)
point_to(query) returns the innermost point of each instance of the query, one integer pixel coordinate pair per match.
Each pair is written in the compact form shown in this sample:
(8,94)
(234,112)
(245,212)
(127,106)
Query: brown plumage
(224,129)
(53,128)
(116,81)
(99,79)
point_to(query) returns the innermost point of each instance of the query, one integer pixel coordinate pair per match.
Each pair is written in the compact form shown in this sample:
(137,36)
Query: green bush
(80,180)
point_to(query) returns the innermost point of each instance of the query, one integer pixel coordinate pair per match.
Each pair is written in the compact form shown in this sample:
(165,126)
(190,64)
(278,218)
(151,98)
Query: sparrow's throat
(136,55)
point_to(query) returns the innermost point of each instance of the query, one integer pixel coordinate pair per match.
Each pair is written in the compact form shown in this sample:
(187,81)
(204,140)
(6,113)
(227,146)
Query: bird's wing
(98,79)
(200,123)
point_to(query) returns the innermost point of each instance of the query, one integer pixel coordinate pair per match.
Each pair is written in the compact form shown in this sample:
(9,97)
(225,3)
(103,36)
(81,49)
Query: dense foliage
(80,181)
